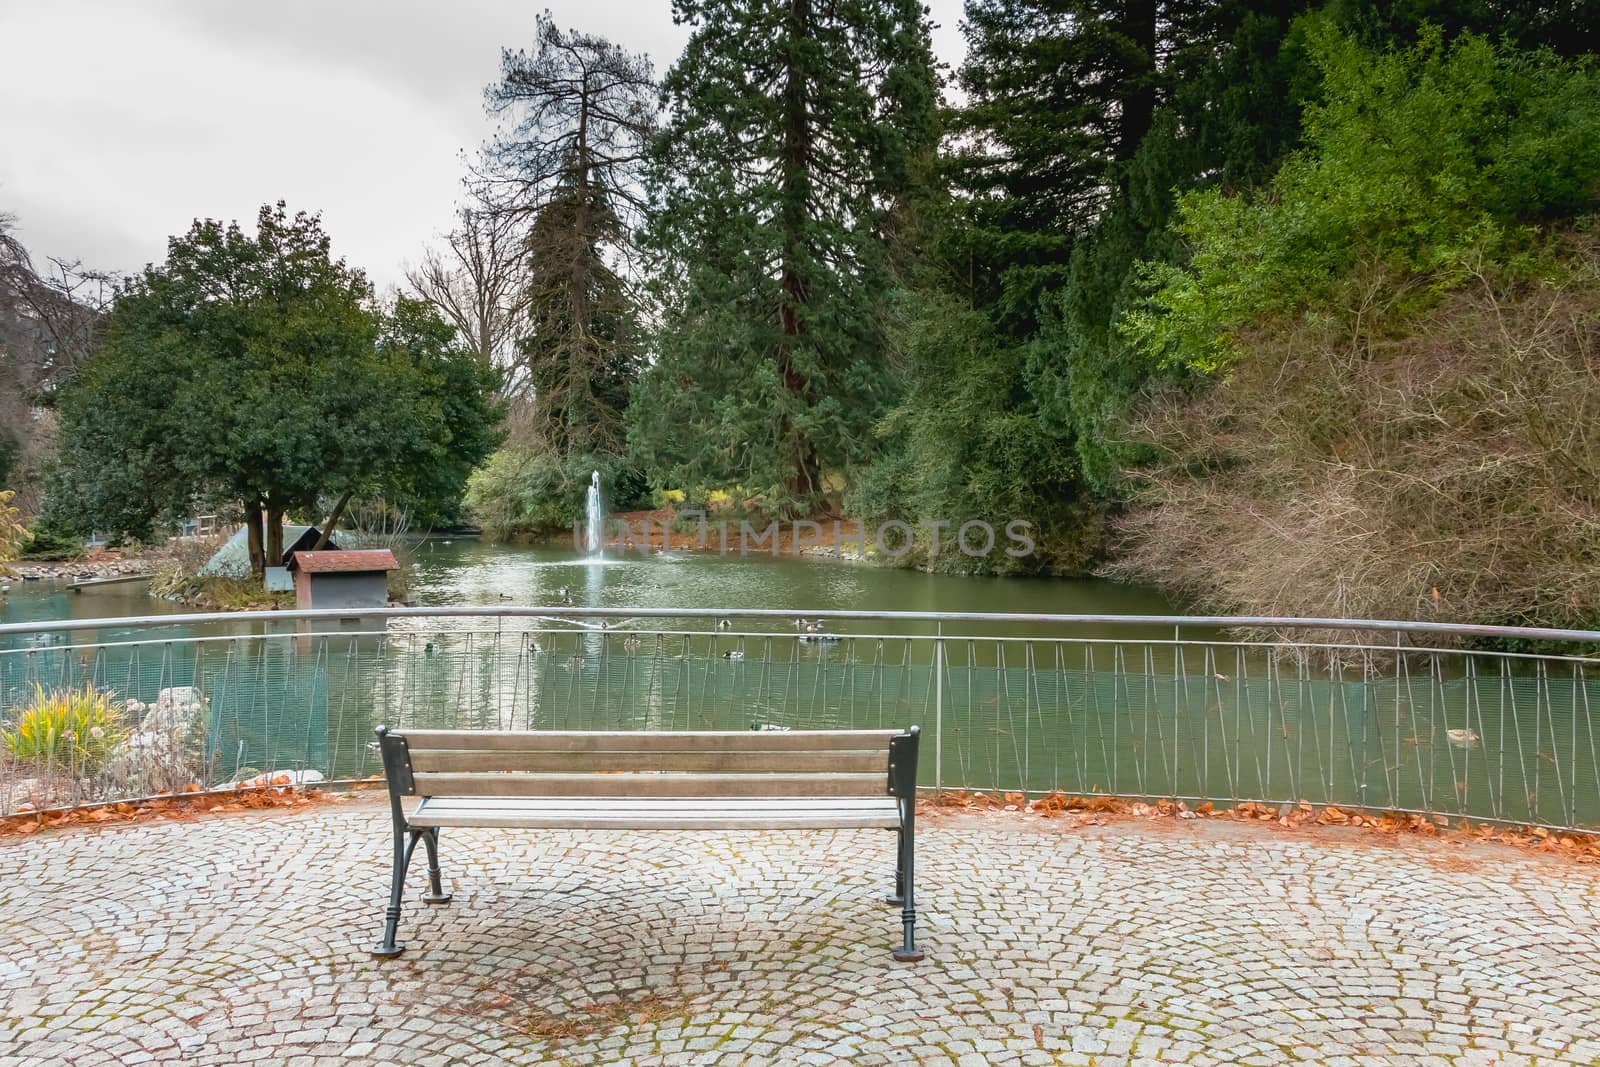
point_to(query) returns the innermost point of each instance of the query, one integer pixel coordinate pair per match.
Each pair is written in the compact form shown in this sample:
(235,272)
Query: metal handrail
(1362,713)
(1220,622)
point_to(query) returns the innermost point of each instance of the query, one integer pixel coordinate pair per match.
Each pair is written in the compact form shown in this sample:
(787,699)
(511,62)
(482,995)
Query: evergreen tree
(1232,79)
(582,111)
(798,133)
(1057,92)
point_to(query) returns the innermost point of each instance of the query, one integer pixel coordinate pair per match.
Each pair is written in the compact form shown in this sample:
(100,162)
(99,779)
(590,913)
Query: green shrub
(532,491)
(1419,166)
(968,442)
(45,542)
(75,729)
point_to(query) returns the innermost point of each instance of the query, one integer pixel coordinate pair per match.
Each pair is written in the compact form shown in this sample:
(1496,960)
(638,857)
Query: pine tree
(582,112)
(798,129)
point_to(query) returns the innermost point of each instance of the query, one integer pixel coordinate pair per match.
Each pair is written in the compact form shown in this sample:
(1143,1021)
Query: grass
(76,729)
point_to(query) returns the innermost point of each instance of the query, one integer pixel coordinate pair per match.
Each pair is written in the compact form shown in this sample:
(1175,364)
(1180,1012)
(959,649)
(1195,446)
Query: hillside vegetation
(1397,344)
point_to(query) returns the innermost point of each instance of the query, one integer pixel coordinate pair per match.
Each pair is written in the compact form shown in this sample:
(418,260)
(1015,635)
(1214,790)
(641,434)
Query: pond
(464,572)
(1087,708)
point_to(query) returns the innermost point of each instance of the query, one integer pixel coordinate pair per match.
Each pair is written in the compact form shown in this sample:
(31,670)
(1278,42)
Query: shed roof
(370,559)
(233,558)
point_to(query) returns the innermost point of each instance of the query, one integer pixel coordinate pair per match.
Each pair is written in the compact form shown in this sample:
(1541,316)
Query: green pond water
(463,572)
(1085,708)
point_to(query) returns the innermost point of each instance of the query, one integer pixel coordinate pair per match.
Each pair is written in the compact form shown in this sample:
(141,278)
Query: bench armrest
(903,764)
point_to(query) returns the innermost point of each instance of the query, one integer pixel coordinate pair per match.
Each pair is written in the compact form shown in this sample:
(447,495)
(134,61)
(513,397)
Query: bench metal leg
(899,895)
(435,893)
(908,950)
(391,918)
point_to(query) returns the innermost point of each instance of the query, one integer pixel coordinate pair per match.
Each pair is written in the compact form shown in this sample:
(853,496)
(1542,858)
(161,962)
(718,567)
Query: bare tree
(50,322)
(478,282)
(1343,469)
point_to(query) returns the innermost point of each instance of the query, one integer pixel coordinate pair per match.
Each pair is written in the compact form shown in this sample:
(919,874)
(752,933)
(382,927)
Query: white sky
(121,122)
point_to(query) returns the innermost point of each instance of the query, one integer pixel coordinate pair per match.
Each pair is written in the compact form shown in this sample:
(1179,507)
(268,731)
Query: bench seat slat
(658,785)
(839,761)
(675,814)
(667,803)
(637,741)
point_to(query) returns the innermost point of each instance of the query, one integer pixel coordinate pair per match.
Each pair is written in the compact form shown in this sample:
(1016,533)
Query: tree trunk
(274,536)
(796,184)
(252,525)
(333,520)
(1137,102)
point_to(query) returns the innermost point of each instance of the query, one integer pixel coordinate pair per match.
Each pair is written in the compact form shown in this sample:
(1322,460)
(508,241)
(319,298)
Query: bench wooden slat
(579,821)
(687,806)
(840,761)
(664,803)
(658,813)
(637,741)
(657,785)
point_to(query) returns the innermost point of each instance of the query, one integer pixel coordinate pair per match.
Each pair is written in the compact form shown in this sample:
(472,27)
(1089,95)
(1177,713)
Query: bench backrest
(595,763)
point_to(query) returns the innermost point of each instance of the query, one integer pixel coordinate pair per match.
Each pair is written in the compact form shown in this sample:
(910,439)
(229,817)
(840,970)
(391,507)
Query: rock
(175,710)
(277,778)
(179,695)
(164,753)
(23,794)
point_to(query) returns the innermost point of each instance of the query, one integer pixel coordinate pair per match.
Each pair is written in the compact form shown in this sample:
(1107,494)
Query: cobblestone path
(242,939)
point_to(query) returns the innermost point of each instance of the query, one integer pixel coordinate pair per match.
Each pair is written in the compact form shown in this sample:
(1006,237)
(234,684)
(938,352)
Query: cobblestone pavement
(242,939)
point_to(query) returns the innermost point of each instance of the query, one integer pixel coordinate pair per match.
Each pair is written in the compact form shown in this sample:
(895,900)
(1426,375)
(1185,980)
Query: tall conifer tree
(581,113)
(798,128)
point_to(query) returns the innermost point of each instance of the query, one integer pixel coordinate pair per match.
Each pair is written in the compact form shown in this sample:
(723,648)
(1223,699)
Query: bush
(73,730)
(1447,474)
(1401,355)
(968,442)
(13,535)
(1418,164)
(531,491)
(46,542)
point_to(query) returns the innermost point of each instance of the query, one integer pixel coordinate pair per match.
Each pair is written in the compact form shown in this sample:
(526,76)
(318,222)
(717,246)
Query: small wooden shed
(346,579)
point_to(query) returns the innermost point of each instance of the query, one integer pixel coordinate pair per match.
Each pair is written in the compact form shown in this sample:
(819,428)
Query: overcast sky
(121,122)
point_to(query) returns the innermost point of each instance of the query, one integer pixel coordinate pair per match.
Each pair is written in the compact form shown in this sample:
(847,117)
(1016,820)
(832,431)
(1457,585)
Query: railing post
(938,709)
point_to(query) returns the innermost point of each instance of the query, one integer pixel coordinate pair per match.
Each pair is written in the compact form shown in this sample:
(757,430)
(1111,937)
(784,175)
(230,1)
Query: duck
(1463,738)
(767,727)
(429,649)
(505,596)
(799,624)
(814,632)
(733,653)
(724,624)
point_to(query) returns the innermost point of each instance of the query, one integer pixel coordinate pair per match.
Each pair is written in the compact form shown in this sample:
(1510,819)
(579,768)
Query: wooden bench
(666,780)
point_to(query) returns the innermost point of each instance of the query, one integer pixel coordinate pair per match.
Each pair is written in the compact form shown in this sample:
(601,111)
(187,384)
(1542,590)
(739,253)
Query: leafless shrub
(1450,473)
(178,563)
(377,524)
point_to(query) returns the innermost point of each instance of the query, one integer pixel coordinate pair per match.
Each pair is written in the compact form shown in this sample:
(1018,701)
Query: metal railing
(1361,714)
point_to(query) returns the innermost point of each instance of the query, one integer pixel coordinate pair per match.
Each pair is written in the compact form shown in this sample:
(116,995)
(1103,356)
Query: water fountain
(593,517)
